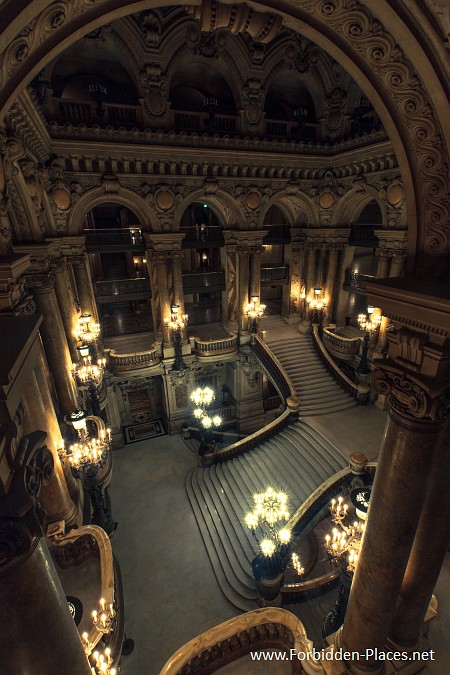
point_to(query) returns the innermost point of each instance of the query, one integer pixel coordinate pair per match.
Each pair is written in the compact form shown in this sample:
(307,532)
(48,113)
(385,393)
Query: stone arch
(295,203)
(353,202)
(409,97)
(146,215)
(226,208)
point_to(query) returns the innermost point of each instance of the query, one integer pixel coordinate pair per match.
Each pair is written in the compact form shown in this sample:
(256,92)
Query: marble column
(406,457)
(176,258)
(160,261)
(230,310)
(54,437)
(295,281)
(85,291)
(427,555)
(255,272)
(37,633)
(64,295)
(331,282)
(310,269)
(55,497)
(55,342)
(397,265)
(383,264)
(321,271)
(243,255)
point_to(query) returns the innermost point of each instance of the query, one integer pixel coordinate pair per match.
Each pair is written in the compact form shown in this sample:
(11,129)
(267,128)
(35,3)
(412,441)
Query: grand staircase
(298,460)
(319,393)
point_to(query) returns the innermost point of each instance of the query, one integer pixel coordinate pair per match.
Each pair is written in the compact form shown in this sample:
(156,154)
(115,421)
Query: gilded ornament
(165,199)
(326,200)
(253,200)
(395,194)
(61,197)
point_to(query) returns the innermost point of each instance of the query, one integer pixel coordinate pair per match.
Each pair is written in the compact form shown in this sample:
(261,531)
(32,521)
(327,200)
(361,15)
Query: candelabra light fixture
(317,304)
(90,375)
(202,397)
(177,323)
(87,332)
(103,663)
(254,312)
(370,324)
(90,460)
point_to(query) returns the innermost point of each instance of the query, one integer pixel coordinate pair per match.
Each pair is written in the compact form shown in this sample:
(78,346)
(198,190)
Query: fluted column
(64,295)
(83,281)
(321,271)
(243,254)
(331,281)
(160,261)
(255,271)
(397,265)
(427,554)
(54,340)
(55,497)
(230,310)
(310,268)
(383,264)
(295,279)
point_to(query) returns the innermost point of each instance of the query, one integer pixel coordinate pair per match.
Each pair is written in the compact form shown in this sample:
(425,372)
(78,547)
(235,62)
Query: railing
(272,275)
(342,347)
(233,639)
(277,234)
(119,363)
(274,368)
(213,348)
(203,121)
(306,131)
(271,402)
(122,289)
(356,282)
(123,239)
(196,282)
(359,391)
(198,236)
(89,113)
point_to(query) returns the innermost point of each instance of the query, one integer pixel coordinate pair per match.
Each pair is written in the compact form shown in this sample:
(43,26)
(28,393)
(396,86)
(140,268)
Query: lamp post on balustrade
(370,325)
(202,397)
(177,323)
(254,311)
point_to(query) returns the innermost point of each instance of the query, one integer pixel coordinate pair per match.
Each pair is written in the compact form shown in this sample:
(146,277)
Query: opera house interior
(225,337)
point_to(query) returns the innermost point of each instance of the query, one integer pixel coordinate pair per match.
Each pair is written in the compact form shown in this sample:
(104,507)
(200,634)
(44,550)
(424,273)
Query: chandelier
(346,538)
(254,311)
(85,331)
(177,322)
(88,373)
(316,303)
(202,397)
(88,452)
(368,322)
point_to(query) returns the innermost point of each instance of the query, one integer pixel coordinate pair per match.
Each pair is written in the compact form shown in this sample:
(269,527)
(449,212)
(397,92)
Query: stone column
(255,271)
(321,272)
(397,497)
(310,268)
(37,632)
(397,265)
(382,335)
(427,554)
(295,280)
(54,340)
(55,498)
(64,295)
(243,254)
(54,438)
(383,264)
(176,258)
(331,281)
(85,291)
(230,310)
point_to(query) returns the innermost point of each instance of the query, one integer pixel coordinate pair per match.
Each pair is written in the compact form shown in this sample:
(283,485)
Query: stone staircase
(298,460)
(319,393)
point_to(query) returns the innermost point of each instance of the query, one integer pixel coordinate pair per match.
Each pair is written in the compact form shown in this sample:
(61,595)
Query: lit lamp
(90,460)
(87,333)
(317,304)
(90,376)
(343,546)
(177,323)
(370,325)
(202,397)
(254,311)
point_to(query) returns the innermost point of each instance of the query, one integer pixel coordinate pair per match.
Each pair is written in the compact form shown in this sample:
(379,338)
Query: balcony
(122,290)
(89,113)
(277,234)
(274,275)
(306,131)
(203,282)
(202,236)
(114,239)
(356,282)
(202,122)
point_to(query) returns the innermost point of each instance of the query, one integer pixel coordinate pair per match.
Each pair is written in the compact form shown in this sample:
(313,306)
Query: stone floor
(171,593)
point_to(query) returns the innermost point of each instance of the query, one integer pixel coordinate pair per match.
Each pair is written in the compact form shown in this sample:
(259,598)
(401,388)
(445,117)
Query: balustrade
(114,239)
(198,236)
(121,362)
(272,275)
(89,113)
(122,289)
(197,282)
(342,347)
(356,282)
(212,348)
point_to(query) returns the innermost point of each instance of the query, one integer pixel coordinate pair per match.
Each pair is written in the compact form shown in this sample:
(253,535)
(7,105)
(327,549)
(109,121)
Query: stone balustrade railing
(274,367)
(119,363)
(213,348)
(359,391)
(342,347)
(270,627)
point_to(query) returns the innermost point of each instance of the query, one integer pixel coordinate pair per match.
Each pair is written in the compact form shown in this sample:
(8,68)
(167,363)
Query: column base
(305,328)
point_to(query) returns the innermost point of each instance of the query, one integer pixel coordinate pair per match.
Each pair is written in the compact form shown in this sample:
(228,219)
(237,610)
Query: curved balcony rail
(114,239)
(260,629)
(339,346)
(274,275)
(213,348)
(203,282)
(279,376)
(202,236)
(120,363)
(359,391)
(116,290)
(356,282)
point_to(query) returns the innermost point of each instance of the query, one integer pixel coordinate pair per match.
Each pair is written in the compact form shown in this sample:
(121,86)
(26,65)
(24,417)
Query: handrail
(273,365)
(205,348)
(359,391)
(343,347)
(251,441)
(249,627)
